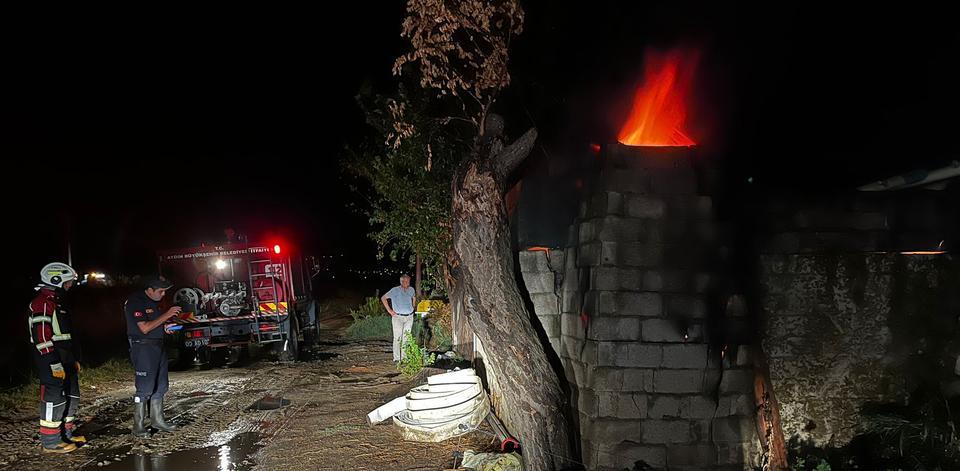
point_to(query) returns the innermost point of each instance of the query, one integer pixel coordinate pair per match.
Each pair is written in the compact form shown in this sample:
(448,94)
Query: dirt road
(306,415)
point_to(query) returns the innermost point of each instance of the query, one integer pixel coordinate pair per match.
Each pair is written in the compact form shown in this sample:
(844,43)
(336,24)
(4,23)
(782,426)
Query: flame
(660,105)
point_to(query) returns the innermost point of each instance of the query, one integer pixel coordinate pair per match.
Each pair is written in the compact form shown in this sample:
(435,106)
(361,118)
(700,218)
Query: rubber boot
(139,417)
(156,415)
(68,433)
(53,443)
(62,447)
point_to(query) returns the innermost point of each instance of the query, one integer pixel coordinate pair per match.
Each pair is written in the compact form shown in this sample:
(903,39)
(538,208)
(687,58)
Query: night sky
(149,130)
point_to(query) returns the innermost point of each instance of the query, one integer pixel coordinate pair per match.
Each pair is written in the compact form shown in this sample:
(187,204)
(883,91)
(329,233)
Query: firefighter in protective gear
(147,353)
(56,359)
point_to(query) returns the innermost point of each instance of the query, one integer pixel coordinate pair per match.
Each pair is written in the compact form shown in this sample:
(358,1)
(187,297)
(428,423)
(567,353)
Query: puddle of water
(233,456)
(269,403)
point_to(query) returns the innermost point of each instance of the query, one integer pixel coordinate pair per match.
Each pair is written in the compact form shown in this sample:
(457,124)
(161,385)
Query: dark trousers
(150,367)
(59,398)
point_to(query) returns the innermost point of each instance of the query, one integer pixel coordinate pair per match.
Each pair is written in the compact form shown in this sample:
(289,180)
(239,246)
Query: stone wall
(842,331)
(849,310)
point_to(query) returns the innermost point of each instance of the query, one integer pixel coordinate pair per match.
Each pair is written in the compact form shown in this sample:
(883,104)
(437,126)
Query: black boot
(139,417)
(156,415)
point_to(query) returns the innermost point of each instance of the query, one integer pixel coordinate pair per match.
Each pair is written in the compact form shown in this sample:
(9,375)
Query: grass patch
(371,307)
(376,327)
(27,395)
(112,371)
(17,397)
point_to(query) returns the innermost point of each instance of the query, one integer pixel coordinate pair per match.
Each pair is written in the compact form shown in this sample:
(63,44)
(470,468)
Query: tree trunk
(416,281)
(481,266)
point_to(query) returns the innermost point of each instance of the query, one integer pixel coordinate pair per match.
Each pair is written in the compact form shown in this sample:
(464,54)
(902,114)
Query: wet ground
(310,414)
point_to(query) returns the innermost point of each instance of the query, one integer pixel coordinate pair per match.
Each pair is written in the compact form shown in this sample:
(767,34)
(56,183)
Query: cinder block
(623,405)
(696,333)
(545,304)
(630,455)
(556,344)
(614,278)
(611,379)
(736,404)
(588,403)
(539,282)
(574,370)
(678,381)
(685,356)
(699,456)
(572,348)
(571,325)
(686,306)
(629,303)
(551,326)
(616,228)
(628,355)
(677,281)
(739,456)
(573,231)
(533,262)
(570,301)
(744,355)
(681,181)
(652,281)
(588,254)
(737,381)
(703,282)
(700,430)
(637,380)
(664,407)
(626,181)
(607,202)
(631,254)
(698,407)
(734,429)
(614,430)
(662,330)
(614,328)
(557,260)
(640,206)
(666,431)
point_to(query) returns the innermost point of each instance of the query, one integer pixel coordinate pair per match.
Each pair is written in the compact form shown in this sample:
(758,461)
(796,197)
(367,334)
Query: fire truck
(238,295)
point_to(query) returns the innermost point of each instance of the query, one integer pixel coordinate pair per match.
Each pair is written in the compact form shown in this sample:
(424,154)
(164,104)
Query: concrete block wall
(542,272)
(633,304)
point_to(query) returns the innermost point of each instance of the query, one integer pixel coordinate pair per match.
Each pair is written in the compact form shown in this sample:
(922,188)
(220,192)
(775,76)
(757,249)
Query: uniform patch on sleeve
(149,311)
(137,314)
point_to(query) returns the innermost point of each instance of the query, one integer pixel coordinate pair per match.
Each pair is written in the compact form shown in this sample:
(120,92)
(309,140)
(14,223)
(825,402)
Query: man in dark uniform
(145,333)
(56,359)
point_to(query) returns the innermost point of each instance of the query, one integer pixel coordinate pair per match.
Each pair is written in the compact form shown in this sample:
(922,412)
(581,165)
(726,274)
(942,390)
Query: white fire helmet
(56,274)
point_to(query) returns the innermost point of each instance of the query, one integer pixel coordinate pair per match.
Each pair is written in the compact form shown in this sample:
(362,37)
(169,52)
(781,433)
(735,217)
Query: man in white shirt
(403,300)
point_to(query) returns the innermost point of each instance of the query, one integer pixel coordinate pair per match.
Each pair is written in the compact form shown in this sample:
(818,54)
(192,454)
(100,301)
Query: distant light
(220,264)
(276,249)
(925,252)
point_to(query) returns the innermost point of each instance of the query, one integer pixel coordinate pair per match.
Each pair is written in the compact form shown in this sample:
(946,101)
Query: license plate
(196,342)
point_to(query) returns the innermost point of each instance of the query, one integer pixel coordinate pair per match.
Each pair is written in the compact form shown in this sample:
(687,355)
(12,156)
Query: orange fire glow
(661,102)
